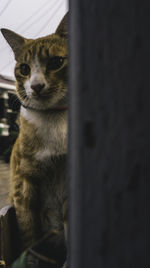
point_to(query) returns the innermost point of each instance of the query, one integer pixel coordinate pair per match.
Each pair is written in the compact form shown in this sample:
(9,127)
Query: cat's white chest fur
(51,130)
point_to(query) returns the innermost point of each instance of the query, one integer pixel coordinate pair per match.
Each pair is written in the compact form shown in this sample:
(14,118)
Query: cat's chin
(37,107)
(37,103)
(43,102)
(41,106)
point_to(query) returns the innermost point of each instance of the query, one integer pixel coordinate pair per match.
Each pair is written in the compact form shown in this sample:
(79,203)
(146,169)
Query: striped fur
(38,161)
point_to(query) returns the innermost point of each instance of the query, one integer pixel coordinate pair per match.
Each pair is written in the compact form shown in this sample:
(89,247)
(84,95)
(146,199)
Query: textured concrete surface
(4,183)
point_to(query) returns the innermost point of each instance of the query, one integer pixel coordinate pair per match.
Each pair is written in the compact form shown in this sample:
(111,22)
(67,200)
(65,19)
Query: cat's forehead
(43,48)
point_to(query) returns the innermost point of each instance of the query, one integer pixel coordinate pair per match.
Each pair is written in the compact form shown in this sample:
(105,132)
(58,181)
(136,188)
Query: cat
(38,160)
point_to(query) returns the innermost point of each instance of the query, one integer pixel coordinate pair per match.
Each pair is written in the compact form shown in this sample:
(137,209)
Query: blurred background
(31,19)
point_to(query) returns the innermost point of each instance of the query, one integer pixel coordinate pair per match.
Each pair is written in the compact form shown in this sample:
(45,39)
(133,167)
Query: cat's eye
(55,63)
(24,69)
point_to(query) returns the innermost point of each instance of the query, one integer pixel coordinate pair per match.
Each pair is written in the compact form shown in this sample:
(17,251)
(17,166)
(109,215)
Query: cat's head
(41,68)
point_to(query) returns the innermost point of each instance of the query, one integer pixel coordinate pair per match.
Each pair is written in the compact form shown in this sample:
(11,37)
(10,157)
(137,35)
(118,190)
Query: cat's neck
(54,109)
(33,114)
(50,128)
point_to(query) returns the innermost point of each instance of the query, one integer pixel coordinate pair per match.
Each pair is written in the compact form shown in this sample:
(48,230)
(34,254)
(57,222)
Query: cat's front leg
(27,226)
(24,194)
(24,199)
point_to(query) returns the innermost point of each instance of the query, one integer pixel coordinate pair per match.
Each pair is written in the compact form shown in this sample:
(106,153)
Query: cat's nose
(37,87)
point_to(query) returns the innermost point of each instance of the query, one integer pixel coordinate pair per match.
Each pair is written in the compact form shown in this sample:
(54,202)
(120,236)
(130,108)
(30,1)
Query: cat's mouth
(41,96)
(43,102)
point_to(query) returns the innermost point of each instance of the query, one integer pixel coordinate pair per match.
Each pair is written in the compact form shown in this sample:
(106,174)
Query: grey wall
(109,145)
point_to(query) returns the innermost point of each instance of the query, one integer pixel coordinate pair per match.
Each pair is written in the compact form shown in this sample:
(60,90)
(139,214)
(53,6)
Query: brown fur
(38,160)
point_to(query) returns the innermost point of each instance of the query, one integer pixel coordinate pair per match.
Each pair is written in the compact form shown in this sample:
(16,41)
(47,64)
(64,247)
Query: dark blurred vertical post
(109,145)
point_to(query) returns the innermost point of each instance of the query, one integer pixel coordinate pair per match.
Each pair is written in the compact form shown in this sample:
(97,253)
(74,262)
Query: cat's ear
(62,29)
(14,40)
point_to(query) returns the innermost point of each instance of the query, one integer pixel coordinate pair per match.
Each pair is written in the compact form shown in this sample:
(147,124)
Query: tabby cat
(38,160)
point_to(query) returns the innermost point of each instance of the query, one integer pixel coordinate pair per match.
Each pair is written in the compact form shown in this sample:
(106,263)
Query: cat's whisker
(15,101)
(23,94)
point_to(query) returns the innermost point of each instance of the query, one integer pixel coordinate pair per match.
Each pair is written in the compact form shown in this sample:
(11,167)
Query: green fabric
(21,261)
